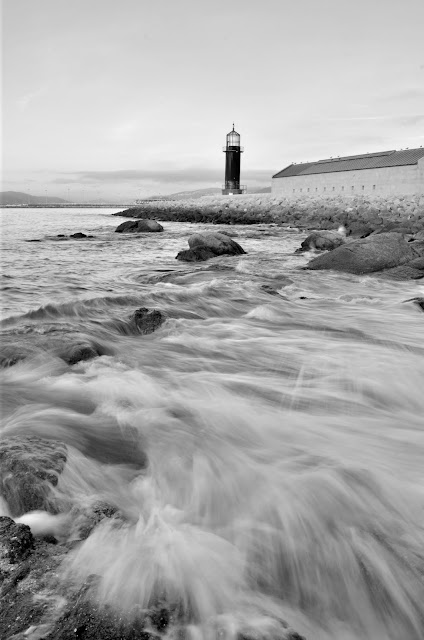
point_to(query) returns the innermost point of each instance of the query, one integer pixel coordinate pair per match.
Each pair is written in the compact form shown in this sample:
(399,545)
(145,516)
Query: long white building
(380,173)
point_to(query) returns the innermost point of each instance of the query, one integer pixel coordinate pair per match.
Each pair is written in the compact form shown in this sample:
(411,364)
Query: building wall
(404,180)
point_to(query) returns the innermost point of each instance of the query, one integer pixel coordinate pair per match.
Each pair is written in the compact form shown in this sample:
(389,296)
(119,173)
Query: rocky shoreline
(308,212)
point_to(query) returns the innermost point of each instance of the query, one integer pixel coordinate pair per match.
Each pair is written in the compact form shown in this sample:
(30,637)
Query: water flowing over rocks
(141,226)
(246,451)
(209,245)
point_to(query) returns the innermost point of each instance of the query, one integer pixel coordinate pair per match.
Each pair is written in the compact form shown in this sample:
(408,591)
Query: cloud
(24,101)
(162,176)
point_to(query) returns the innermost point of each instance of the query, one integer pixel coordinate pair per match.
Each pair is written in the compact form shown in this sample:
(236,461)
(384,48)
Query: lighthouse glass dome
(233,139)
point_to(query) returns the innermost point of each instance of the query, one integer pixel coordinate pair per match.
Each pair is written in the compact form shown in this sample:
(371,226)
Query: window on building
(373,186)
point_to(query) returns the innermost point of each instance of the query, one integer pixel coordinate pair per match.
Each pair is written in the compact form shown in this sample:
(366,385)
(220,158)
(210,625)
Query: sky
(123,99)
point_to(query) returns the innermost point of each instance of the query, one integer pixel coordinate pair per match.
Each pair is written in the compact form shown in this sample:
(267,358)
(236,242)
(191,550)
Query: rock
(78,235)
(139,226)
(269,289)
(322,240)
(29,468)
(70,347)
(374,253)
(196,255)
(418,247)
(16,541)
(86,518)
(402,272)
(359,230)
(418,301)
(208,245)
(419,235)
(417,263)
(145,321)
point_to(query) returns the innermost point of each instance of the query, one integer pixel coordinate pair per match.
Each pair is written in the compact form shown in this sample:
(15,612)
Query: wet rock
(418,301)
(72,347)
(139,226)
(322,240)
(418,246)
(402,272)
(208,245)
(374,253)
(29,468)
(16,541)
(359,230)
(85,519)
(199,254)
(417,263)
(78,235)
(145,321)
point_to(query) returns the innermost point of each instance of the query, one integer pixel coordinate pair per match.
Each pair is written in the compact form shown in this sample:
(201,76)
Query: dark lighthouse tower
(232,151)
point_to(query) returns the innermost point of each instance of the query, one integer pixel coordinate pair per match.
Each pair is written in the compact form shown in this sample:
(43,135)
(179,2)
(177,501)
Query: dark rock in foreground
(209,245)
(368,255)
(29,468)
(139,226)
(78,235)
(16,540)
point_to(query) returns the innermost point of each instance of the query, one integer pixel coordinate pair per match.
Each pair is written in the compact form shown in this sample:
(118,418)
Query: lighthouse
(232,151)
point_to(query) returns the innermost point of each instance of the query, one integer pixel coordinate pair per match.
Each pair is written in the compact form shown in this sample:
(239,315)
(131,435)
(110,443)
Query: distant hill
(15,197)
(199,193)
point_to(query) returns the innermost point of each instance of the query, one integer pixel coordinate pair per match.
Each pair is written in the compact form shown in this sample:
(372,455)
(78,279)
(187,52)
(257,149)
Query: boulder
(418,246)
(419,302)
(29,468)
(208,245)
(402,272)
(139,226)
(145,321)
(322,240)
(359,229)
(417,263)
(78,235)
(367,255)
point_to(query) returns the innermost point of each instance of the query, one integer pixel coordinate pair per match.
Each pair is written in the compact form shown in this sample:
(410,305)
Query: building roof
(375,160)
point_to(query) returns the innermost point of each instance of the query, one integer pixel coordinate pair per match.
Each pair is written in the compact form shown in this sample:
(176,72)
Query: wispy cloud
(24,101)
(185,175)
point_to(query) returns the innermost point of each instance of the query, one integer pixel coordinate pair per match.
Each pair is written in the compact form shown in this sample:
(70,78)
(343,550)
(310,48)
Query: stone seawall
(304,212)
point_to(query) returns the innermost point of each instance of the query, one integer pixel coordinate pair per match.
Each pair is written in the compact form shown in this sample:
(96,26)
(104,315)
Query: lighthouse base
(232,192)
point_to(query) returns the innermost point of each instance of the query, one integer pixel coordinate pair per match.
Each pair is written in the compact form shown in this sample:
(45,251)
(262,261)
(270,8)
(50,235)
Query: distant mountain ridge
(199,193)
(16,197)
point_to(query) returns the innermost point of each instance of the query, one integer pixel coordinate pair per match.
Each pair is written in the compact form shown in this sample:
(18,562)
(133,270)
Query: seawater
(284,434)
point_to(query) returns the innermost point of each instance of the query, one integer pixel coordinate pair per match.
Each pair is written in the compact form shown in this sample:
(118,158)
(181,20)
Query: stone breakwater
(306,212)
